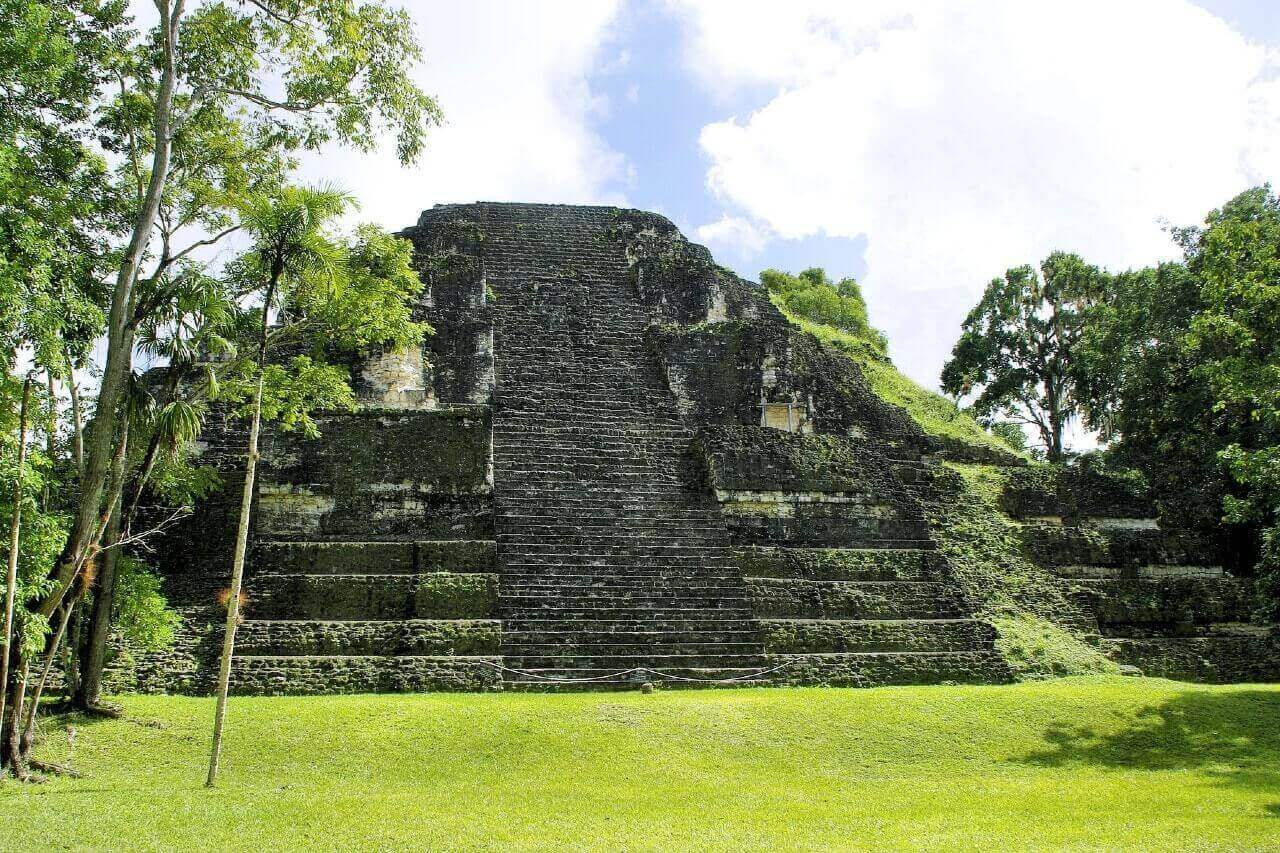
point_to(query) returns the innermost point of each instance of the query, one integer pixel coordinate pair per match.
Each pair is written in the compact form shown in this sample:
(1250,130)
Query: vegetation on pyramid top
(836,314)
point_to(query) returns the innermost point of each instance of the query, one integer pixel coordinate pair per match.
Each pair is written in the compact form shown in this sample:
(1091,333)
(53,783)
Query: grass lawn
(1084,763)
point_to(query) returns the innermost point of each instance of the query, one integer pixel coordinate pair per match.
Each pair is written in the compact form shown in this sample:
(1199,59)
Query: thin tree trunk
(50,433)
(77,418)
(15,531)
(28,727)
(94,657)
(149,458)
(70,604)
(10,727)
(242,543)
(102,428)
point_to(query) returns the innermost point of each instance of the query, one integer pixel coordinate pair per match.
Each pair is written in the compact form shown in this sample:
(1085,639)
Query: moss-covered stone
(870,564)
(439,595)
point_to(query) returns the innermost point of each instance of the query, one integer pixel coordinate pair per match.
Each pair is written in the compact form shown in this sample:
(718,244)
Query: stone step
(840,563)
(319,674)
(670,565)
(631,636)
(874,669)
(682,623)
(529,549)
(523,661)
(338,557)
(803,636)
(1167,602)
(564,616)
(799,598)
(1142,572)
(610,602)
(560,679)
(277,637)
(603,581)
(590,647)
(1220,659)
(620,526)
(604,539)
(437,595)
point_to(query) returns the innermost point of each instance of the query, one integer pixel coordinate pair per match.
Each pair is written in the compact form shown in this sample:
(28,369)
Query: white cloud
(733,233)
(966,138)
(512,80)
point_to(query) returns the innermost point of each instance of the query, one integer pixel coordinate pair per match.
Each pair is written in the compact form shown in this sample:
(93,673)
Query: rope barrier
(550,679)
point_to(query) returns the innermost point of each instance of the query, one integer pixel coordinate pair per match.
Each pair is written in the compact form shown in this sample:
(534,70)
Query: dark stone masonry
(614,456)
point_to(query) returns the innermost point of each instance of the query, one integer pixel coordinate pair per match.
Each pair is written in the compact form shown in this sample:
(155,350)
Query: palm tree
(293,257)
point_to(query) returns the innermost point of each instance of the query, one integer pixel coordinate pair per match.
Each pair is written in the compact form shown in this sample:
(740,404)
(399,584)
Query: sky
(921,146)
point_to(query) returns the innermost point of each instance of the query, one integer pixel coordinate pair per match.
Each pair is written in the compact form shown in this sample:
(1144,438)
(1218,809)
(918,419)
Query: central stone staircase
(612,560)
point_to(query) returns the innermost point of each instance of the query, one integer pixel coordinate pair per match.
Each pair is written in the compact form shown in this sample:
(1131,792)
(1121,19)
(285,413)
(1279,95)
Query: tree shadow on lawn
(1233,737)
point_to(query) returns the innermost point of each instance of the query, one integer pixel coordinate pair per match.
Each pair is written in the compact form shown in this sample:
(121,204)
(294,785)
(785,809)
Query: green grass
(932,412)
(1101,763)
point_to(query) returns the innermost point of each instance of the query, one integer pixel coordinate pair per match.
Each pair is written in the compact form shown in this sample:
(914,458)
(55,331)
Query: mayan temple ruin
(616,462)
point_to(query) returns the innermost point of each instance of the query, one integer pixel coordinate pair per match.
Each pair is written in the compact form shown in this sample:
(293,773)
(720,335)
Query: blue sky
(922,146)
(657,111)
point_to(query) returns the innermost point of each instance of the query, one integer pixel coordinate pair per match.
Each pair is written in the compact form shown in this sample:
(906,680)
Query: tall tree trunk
(71,603)
(242,544)
(77,418)
(94,656)
(15,532)
(10,727)
(50,432)
(103,426)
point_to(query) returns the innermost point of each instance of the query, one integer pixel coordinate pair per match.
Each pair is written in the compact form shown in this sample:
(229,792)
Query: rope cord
(639,669)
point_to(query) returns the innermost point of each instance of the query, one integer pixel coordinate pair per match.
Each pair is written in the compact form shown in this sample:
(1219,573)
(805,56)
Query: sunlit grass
(1095,763)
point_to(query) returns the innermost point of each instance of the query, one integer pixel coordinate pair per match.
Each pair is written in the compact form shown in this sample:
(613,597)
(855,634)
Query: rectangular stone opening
(787,417)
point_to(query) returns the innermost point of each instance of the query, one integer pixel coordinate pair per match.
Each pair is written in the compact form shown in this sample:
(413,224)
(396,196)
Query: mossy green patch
(1042,631)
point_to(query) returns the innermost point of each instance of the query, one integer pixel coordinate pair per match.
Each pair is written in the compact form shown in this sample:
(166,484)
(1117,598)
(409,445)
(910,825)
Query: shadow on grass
(1234,737)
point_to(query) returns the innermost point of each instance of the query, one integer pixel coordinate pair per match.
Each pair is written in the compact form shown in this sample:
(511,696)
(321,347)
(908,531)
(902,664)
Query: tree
(226,92)
(1018,351)
(1181,369)
(349,298)
(209,107)
(813,296)
(191,326)
(1234,341)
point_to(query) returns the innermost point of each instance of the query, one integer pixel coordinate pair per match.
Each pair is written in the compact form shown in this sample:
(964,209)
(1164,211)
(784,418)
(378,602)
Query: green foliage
(813,296)
(1017,597)
(1018,350)
(372,304)
(175,481)
(295,390)
(1011,434)
(1035,647)
(55,206)
(141,612)
(1184,367)
(1075,764)
(40,542)
(333,297)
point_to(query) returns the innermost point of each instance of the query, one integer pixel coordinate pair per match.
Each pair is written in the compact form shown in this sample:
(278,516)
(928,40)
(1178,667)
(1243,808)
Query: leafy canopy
(1018,351)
